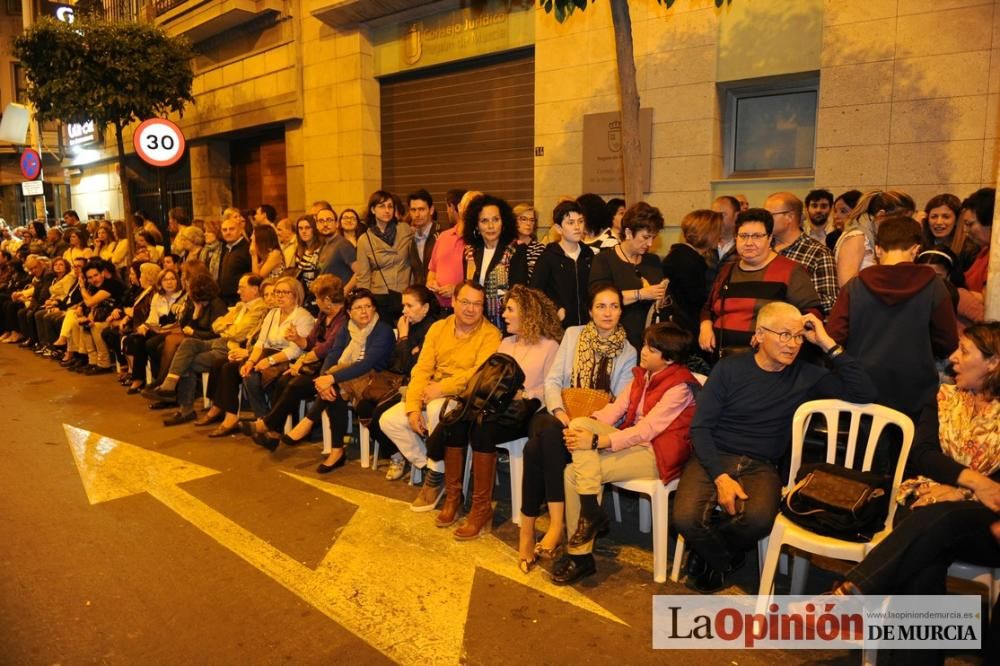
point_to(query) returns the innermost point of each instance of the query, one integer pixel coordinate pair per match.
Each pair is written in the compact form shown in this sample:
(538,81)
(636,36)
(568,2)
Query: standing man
(235,260)
(819,203)
(422,216)
(789,241)
(562,272)
(328,228)
(730,208)
(265,214)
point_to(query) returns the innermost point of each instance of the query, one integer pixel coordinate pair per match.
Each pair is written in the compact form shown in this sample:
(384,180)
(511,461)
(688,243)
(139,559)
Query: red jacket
(672,447)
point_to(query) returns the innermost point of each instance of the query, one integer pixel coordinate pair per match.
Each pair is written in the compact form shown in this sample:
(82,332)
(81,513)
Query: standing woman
(383,256)
(306,251)
(855,249)
(841,211)
(492,258)
(365,344)
(527,233)
(633,269)
(533,342)
(446,269)
(344,256)
(686,268)
(210,254)
(266,259)
(598,356)
(977,218)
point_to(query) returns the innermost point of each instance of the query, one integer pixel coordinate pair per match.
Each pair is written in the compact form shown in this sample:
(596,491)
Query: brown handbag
(376,385)
(583,401)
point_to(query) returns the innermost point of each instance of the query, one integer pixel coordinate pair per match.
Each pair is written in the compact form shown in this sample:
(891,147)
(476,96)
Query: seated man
(453,349)
(741,431)
(654,413)
(101,293)
(195,355)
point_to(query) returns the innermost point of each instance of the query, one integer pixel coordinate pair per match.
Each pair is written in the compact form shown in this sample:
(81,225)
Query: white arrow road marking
(392,578)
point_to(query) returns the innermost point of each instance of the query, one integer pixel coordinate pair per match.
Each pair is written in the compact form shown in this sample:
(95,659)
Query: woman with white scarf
(365,344)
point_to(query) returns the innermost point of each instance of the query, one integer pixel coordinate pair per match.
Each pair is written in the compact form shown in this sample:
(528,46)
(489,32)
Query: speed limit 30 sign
(158,142)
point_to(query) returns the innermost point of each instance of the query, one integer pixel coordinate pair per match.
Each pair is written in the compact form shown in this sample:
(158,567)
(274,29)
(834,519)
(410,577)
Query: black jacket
(688,288)
(235,263)
(565,281)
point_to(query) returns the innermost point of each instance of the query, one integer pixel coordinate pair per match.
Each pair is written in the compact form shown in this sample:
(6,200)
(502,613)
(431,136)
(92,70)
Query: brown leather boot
(480,517)
(454,470)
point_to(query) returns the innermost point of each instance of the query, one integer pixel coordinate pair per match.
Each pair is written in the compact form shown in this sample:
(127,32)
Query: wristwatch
(835,351)
(593,442)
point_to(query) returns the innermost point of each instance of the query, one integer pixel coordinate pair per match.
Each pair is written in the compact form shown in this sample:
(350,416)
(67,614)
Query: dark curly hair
(202,288)
(508,228)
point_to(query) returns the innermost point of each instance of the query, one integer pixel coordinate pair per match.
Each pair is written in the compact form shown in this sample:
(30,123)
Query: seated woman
(271,346)
(598,356)
(652,441)
(420,310)
(296,383)
(956,450)
(238,342)
(53,308)
(534,337)
(365,344)
(202,307)
(142,278)
(162,317)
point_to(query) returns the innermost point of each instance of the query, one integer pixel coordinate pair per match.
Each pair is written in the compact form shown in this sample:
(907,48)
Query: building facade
(299,100)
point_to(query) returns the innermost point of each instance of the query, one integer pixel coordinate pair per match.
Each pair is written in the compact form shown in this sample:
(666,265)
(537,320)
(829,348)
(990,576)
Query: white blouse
(272,331)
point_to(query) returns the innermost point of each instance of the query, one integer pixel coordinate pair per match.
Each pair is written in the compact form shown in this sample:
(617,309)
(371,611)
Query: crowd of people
(275,312)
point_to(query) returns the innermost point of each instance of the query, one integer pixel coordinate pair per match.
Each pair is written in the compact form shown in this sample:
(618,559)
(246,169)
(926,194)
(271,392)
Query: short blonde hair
(294,285)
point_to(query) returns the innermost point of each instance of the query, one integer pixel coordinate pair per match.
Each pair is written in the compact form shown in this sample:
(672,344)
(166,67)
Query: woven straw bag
(583,401)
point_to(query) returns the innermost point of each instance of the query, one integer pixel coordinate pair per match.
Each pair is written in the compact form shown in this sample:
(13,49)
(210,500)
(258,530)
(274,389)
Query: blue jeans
(710,531)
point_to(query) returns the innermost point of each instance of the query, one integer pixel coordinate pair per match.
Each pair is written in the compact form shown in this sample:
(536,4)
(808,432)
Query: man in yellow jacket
(453,349)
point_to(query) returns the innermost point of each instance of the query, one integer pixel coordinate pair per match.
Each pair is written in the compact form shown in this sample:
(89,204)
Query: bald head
(786,209)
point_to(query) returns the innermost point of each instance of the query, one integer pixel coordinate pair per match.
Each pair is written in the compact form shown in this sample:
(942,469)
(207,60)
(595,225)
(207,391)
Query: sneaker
(397,467)
(428,498)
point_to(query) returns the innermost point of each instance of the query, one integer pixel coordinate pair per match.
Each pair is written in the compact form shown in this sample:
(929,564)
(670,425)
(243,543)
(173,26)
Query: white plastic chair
(653,514)
(989,578)
(515,449)
(786,533)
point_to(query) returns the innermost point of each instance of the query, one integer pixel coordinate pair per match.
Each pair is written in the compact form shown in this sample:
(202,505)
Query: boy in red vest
(652,440)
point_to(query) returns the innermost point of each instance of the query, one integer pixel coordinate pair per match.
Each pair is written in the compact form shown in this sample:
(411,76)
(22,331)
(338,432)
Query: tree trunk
(126,199)
(631,158)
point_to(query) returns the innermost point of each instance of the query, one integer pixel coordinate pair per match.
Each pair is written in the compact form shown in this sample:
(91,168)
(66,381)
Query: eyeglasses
(754,237)
(469,304)
(785,337)
(525,218)
(282,292)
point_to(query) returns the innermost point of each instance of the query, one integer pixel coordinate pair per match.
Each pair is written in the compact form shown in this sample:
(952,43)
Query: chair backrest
(831,410)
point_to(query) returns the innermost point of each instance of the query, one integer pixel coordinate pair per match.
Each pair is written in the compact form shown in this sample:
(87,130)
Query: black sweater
(688,288)
(745,410)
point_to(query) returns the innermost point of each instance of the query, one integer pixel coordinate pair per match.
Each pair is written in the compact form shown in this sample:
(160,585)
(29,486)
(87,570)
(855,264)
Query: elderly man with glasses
(730,489)
(453,349)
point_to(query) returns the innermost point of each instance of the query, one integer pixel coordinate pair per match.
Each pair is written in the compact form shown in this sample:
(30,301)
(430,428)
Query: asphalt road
(209,551)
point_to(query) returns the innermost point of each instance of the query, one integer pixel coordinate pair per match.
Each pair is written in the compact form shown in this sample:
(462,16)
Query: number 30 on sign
(158,142)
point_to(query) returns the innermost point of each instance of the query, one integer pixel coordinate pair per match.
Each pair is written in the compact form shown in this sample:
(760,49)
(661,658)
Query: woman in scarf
(955,500)
(493,258)
(594,356)
(365,344)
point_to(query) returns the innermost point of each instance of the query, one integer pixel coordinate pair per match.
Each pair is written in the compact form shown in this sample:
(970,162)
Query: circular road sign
(31,164)
(158,142)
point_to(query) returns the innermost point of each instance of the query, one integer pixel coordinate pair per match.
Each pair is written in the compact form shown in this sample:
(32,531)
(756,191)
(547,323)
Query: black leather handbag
(489,392)
(839,502)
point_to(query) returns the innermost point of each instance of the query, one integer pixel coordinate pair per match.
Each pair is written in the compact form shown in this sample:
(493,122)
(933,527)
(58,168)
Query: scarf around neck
(388,236)
(595,357)
(969,437)
(355,350)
